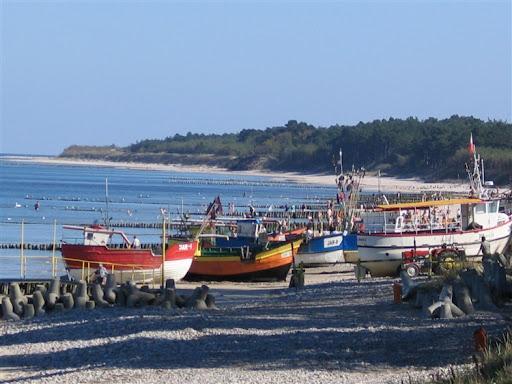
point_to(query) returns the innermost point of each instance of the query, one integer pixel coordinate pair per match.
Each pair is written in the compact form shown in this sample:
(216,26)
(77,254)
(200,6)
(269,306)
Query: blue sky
(114,72)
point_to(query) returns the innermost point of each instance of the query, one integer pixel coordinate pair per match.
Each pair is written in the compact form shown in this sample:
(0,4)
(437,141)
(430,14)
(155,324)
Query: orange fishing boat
(250,256)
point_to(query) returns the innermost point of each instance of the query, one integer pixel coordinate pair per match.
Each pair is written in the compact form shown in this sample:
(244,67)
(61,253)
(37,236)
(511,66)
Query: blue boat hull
(326,250)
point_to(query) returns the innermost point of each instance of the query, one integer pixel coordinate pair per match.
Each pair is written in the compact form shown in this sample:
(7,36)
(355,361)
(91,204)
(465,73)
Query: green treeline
(432,148)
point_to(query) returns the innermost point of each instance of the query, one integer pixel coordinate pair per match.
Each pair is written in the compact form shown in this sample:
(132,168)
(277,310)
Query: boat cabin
(438,215)
(97,235)
(248,231)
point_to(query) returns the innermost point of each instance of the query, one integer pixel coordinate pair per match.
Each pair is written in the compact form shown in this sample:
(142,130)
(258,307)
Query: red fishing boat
(100,245)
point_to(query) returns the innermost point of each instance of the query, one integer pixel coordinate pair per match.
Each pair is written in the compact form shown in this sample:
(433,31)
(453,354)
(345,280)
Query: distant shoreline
(369,183)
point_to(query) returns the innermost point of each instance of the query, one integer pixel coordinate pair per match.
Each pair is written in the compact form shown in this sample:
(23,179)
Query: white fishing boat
(387,231)
(393,229)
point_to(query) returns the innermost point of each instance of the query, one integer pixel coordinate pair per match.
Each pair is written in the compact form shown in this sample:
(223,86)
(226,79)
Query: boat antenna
(483,172)
(106,219)
(341,162)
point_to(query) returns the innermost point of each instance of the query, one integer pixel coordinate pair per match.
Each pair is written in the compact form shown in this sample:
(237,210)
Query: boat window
(493,207)
(480,208)
(90,235)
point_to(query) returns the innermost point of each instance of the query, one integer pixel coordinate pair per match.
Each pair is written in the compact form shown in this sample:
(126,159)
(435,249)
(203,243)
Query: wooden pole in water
(21,250)
(54,262)
(163,251)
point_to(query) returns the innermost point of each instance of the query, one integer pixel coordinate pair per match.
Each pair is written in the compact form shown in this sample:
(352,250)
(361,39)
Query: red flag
(471,146)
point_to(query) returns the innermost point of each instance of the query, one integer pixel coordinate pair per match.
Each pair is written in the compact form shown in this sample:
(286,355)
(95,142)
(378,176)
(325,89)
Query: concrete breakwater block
(137,297)
(41,288)
(7,310)
(67,301)
(17,298)
(180,301)
(97,295)
(478,287)
(109,293)
(167,299)
(121,296)
(409,286)
(28,311)
(463,297)
(198,297)
(128,294)
(38,302)
(210,302)
(53,294)
(81,297)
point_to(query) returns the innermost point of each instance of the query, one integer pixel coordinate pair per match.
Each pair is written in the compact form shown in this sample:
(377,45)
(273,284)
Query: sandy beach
(336,330)
(369,183)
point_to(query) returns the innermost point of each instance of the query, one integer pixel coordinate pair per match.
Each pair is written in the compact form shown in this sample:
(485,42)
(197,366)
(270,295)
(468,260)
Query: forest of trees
(432,149)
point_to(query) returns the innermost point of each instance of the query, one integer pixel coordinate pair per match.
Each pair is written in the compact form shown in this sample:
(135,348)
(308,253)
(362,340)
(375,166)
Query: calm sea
(76,195)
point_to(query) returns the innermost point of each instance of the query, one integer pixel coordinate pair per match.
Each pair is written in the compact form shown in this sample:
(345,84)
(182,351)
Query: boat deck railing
(432,227)
(53,266)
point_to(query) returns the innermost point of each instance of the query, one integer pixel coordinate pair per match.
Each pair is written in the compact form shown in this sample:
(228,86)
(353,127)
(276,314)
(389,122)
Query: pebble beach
(335,330)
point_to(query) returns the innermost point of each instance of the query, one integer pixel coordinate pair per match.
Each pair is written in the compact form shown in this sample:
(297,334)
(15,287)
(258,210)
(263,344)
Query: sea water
(74,195)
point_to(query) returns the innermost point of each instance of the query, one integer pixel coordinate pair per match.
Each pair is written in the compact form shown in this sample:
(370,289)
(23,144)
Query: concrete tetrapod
(28,311)
(463,298)
(17,298)
(97,296)
(109,293)
(409,286)
(444,307)
(446,292)
(197,300)
(7,310)
(121,296)
(169,300)
(210,302)
(41,288)
(480,292)
(136,297)
(181,301)
(446,311)
(38,302)
(425,296)
(81,297)
(52,295)
(67,300)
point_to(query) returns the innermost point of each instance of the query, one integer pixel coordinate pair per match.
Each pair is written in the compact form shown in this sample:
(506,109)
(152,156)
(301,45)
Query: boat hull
(326,250)
(318,259)
(381,254)
(129,263)
(267,265)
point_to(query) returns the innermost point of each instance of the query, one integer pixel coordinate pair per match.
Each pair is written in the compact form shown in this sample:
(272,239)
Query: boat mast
(341,162)
(349,186)
(106,219)
(476,176)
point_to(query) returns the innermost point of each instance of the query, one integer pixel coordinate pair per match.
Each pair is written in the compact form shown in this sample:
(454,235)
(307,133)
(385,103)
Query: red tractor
(438,260)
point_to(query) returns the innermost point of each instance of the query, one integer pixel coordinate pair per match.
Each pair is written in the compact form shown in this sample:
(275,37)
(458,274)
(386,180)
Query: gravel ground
(335,330)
